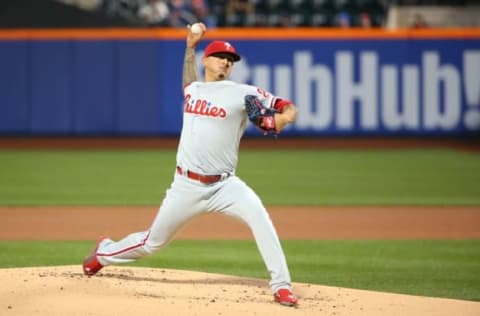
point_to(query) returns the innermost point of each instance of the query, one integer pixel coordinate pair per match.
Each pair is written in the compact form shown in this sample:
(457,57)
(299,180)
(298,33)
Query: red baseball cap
(217,47)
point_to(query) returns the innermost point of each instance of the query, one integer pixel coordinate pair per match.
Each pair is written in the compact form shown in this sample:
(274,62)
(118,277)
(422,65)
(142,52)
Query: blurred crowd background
(251,13)
(241,13)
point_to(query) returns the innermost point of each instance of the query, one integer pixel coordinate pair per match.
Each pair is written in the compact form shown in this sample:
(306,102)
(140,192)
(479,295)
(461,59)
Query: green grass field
(304,177)
(397,177)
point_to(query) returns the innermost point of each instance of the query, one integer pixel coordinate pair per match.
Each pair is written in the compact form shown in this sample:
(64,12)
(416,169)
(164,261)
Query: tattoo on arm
(190,71)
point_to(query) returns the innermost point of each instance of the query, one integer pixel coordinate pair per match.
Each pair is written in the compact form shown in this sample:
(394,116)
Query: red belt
(205,179)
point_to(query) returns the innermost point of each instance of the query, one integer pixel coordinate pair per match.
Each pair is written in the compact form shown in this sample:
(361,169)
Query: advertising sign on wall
(353,82)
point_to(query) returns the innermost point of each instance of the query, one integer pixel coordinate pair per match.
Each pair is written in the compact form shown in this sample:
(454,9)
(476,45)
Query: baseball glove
(261,116)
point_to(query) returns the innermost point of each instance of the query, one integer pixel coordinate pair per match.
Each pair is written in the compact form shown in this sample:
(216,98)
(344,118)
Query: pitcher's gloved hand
(261,116)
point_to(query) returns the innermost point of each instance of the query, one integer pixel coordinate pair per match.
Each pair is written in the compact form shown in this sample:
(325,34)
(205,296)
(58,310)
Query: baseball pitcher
(215,115)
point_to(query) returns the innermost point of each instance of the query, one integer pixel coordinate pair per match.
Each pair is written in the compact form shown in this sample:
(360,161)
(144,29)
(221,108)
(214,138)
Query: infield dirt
(144,291)
(301,222)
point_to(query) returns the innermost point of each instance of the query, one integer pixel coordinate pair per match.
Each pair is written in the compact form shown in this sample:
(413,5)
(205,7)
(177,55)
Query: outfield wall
(344,82)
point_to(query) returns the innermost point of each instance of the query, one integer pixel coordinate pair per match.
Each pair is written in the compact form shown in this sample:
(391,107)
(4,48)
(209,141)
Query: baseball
(196,28)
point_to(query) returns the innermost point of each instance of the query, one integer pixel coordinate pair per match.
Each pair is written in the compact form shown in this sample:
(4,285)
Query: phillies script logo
(203,107)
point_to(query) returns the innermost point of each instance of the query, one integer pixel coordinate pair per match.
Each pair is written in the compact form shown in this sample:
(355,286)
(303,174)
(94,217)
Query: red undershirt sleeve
(280,104)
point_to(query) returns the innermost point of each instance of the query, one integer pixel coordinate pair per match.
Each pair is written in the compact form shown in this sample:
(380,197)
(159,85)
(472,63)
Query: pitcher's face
(218,66)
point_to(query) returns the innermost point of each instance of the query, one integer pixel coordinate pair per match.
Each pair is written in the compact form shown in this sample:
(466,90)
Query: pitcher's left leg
(239,200)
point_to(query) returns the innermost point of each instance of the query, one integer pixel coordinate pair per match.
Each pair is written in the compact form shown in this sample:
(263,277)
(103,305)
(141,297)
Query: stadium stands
(254,13)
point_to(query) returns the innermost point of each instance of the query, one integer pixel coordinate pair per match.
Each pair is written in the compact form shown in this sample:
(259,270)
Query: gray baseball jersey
(214,121)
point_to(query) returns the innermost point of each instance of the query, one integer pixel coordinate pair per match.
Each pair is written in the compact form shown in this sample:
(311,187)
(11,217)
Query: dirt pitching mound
(64,290)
